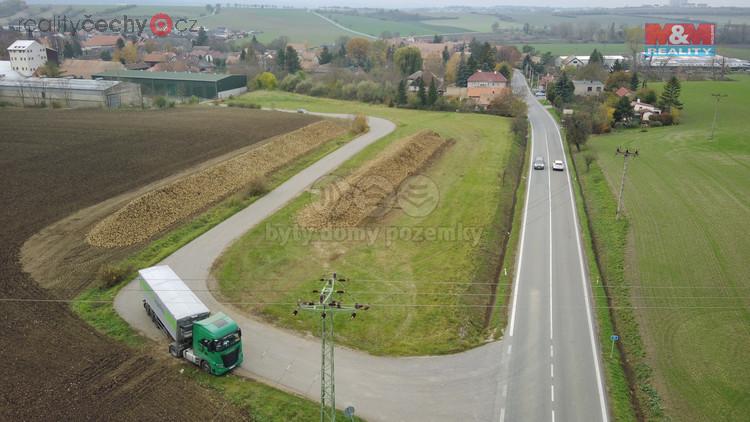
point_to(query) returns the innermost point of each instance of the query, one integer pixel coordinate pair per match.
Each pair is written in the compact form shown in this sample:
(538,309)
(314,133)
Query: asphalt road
(545,369)
(554,370)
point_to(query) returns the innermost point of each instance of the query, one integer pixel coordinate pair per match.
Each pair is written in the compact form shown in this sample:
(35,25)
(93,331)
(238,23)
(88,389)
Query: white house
(578,61)
(644,109)
(586,88)
(26,56)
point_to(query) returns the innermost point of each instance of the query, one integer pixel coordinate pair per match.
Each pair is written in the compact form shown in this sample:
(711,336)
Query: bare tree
(634,41)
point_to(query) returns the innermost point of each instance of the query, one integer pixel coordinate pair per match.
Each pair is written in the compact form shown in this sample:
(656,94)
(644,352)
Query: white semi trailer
(211,342)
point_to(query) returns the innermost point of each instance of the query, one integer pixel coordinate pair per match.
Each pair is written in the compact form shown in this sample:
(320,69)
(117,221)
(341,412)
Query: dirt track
(55,366)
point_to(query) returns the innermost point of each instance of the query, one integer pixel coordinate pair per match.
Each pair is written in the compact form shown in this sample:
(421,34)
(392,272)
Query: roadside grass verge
(604,241)
(95,305)
(676,272)
(429,296)
(505,274)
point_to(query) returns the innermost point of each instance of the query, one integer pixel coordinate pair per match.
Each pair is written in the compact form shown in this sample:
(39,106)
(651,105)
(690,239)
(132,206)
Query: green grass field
(375,26)
(428,296)
(299,25)
(687,200)
(476,22)
(579,49)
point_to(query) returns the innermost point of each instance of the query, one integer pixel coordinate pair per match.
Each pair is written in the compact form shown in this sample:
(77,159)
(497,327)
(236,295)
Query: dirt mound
(347,202)
(159,209)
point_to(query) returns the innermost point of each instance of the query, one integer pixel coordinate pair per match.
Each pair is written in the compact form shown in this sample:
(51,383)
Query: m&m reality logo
(680,39)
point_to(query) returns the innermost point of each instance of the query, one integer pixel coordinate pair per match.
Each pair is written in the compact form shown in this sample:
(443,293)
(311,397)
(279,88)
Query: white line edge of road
(549,202)
(523,235)
(587,292)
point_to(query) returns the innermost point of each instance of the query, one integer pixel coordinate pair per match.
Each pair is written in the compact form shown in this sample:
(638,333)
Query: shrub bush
(359,124)
(160,102)
(665,119)
(290,82)
(319,89)
(243,105)
(258,187)
(303,87)
(654,123)
(110,275)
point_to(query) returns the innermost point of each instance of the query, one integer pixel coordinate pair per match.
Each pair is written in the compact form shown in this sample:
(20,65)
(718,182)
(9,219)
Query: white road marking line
(502,414)
(602,402)
(552,390)
(549,198)
(551,351)
(552,370)
(553,416)
(510,346)
(517,283)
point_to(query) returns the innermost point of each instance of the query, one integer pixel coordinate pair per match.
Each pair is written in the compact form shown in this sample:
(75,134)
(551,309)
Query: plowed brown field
(52,163)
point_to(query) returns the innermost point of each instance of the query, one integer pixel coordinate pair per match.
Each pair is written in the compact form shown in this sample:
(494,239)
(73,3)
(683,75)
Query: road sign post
(614,338)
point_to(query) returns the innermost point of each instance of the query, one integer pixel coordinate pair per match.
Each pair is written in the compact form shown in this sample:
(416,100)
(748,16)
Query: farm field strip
(686,199)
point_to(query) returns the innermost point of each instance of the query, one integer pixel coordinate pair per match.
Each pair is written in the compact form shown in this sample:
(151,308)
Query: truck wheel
(173,351)
(206,367)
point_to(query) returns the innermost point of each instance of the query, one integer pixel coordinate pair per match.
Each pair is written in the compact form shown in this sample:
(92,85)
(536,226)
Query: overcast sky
(401,4)
(437,3)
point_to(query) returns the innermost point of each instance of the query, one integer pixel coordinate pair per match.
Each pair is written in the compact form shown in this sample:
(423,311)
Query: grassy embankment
(428,296)
(675,270)
(95,305)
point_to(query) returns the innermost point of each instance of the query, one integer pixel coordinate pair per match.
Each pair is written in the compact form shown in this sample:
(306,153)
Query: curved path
(340,26)
(443,388)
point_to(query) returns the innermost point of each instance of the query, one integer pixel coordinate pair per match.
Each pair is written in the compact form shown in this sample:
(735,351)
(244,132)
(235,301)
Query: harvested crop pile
(157,210)
(348,202)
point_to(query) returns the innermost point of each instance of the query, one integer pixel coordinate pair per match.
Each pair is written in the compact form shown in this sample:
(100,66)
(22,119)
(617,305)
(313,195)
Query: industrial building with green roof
(180,84)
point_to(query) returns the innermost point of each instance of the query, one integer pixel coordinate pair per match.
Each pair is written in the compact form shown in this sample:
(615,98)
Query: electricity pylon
(327,307)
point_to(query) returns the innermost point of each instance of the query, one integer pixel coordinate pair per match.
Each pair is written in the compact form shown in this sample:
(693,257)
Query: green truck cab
(213,342)
(217,342)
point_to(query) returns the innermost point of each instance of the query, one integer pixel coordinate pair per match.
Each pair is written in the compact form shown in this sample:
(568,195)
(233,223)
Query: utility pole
(625,154)
(327,307)
(716,112)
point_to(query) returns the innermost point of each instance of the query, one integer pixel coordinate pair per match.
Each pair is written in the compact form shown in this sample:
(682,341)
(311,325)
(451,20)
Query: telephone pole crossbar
(327,307)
